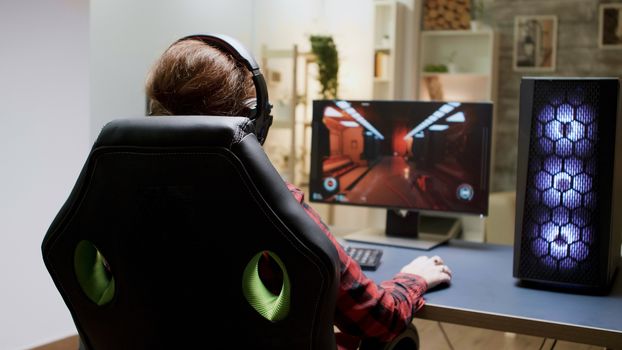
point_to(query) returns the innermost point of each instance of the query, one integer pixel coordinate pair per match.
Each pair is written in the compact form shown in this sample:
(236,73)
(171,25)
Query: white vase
(476,25)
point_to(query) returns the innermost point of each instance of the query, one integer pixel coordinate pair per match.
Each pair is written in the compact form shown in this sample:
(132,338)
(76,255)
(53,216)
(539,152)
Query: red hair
(194,78)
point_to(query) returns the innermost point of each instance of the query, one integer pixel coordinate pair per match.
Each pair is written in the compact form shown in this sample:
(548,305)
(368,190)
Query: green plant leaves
(324,49)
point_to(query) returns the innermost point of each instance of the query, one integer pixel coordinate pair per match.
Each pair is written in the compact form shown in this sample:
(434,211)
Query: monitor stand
(411,230)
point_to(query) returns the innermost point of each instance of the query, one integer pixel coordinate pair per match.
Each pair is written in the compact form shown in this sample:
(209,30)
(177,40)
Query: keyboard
(367,258)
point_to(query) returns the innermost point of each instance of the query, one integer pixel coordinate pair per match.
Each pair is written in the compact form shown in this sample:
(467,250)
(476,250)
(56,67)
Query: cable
(554,343)
(542,345)
(445,335)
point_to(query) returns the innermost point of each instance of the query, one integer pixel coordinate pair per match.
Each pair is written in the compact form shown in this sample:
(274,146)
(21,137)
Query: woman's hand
(433,270)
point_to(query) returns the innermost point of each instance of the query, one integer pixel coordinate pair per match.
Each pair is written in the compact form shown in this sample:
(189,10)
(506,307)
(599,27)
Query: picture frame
(535,43)
(610,26)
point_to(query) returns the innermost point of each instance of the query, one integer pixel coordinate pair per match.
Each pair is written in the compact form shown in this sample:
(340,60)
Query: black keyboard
(368,258)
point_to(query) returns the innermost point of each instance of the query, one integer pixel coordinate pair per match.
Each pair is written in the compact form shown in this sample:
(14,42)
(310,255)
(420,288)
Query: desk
(484,294)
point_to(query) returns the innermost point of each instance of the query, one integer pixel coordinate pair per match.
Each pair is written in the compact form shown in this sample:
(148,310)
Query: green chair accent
(271,307)
(90,267)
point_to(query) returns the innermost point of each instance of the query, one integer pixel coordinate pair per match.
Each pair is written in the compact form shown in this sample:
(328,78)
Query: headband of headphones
(260,115)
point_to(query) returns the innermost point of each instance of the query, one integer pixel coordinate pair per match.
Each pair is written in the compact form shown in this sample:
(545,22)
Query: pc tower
(569,188)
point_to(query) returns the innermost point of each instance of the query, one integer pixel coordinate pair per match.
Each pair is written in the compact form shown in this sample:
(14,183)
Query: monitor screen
(414,155)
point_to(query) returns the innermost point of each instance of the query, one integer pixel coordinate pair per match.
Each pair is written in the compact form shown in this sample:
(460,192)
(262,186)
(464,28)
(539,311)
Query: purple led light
(543,180)
(545,145)
(533,230)
(562,182)
(561,216)
(550,231)
(557,96)
(564,113)
(553,164)
(571,199)
(585,114)
(567,264)
(590,200)
(592,131)
(570,233)
(587,235)
(551,197)
(584,148)
(582,183)
(540,247)
(559,248)
(562,176)
(573,130)
(563,243)
(579,251)
(563,147)
(539,129)
(549,261)
(573,165)
(547,113)
(581,217)
(576,96)
(590,167)
(554,130)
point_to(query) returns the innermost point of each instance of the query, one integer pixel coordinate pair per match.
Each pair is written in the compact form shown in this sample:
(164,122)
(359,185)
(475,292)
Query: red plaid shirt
(365,309)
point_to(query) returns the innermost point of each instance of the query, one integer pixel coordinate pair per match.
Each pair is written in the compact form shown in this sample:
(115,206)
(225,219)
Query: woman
(193,78)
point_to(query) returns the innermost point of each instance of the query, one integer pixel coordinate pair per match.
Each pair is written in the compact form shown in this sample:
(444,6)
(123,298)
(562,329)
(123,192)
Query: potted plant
(452,67)
(477,14)
(325,51)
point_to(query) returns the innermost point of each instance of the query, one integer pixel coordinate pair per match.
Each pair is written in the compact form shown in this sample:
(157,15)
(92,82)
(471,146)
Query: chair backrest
(158,244)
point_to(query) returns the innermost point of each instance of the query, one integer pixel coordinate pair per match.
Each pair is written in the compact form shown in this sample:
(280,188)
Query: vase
(476,25)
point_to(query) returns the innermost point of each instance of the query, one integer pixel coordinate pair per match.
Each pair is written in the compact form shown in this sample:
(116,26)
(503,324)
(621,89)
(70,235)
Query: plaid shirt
(365,309)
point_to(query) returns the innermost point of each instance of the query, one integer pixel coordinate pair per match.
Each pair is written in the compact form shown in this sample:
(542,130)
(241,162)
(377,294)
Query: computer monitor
(405,156)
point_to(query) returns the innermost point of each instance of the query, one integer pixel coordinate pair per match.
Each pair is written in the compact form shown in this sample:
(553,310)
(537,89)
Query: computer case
(569,183)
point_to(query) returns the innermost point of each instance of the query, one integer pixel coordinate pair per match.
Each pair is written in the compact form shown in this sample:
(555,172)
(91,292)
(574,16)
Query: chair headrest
(175,131)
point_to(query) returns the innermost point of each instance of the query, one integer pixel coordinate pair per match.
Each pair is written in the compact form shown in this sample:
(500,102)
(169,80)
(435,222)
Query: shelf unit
(388,51)
(287,73)
(471,60)
(280,71)
(472,72)
(470,57)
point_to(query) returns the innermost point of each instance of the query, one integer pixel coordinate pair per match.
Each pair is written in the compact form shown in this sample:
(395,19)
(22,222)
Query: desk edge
(561,331)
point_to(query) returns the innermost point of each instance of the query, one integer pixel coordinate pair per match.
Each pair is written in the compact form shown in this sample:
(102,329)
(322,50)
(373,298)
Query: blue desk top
(483,283)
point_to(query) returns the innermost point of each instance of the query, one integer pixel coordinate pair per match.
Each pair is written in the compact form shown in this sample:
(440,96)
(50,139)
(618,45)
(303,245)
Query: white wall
(128,36)
(44,140)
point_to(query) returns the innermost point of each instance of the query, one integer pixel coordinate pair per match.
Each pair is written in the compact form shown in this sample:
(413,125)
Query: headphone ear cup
(263,108)
(264,134)
(262,125)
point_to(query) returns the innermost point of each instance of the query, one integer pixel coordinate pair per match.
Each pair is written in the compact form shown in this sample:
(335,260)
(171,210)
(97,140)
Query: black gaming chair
(166,227)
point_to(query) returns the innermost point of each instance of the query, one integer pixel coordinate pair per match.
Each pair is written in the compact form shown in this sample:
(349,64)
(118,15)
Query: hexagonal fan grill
(559,225)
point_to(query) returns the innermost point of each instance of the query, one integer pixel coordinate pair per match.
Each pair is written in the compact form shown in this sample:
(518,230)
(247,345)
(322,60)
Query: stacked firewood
(447,14)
